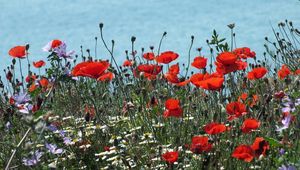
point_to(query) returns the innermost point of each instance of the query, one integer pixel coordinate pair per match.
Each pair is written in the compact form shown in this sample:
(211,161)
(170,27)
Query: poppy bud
(101,25)
(14,61)
(151,47)
(27,47)
(133,38)
(231,26)
(165,33)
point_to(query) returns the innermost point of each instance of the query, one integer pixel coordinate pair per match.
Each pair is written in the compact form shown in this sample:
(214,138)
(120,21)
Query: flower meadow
(228,109)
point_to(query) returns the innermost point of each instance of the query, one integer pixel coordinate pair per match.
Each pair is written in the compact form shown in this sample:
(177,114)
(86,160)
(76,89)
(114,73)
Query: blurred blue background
(76,22)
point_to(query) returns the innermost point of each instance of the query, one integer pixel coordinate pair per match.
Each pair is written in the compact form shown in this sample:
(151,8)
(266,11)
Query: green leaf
(273,142)
(221,40)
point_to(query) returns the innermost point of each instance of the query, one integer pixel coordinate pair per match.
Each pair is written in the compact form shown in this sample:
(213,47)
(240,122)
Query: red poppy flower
(279,95)
(52,44)
(39,64)
(182,83)
(106,148)
(257,73)
(235,109)
(173,108)
(260,146)
(92,69)
(35,108)
(173,113)
(44,82)
(225,69)
(297,72)
(243,97)
(214,128)
(207,81)
(127,63)
(32,87)
(172,104)
(149,56)
(199,62)
(283,72)
(227,58)
(11,101)
(174,69)
(249,125)
(170,157)
(18,52)
(243,152)
(108,76)
(244,53)
(150,68)
(55,43)
(171,75)
(172,78)
(200,144)
(30,78)
(167,57)
(149,76)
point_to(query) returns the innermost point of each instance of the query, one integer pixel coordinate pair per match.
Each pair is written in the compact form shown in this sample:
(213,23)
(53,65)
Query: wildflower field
(228,109)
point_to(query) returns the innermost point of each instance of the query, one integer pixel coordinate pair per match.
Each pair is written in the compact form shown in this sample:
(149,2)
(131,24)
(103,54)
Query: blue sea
(76,22)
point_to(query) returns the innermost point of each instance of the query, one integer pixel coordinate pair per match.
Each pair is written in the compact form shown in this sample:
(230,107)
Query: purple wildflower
(286,123)
(25,108)
(67,141)
(21,98)
(53,148)
(52,127)
(34,159)
(61,51)
(289,105)
(288,167)
(281,151)
(62,133)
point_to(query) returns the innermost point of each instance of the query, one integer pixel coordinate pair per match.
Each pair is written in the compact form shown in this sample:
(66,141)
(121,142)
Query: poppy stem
(189,59)
(231,39)
(28,64)
(110,52)
(22,77)
(96,42)
(160,42)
